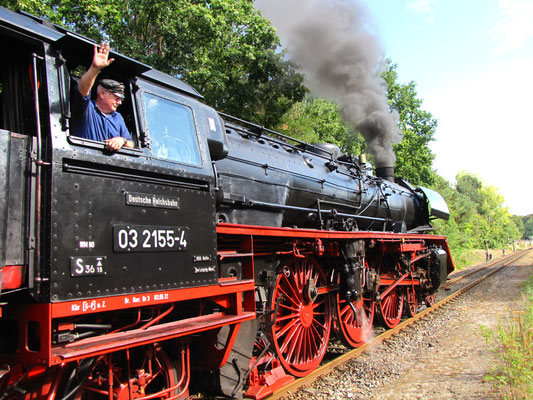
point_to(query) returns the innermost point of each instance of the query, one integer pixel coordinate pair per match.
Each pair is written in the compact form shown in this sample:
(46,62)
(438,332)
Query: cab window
(71,78)
(171,130)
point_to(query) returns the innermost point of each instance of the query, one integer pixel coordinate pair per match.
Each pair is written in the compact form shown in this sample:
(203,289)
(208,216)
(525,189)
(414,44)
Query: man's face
(109,101)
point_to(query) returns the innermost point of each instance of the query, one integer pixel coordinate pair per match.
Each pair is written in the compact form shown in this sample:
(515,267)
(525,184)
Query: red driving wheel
(301,325)
(391,308)
(151,371)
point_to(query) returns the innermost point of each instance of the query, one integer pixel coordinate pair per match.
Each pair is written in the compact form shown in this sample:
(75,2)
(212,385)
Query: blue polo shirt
(90,123)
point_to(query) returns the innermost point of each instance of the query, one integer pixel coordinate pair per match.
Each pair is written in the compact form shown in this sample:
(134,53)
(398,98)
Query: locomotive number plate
(136,238)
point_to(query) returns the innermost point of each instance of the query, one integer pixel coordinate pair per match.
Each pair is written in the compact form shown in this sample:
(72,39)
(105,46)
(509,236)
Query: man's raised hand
(101,55)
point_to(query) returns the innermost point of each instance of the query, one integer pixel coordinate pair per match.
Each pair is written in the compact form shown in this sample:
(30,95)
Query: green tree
(461,225)
(492,221)
(224,48)
(91,18)
(413,155)
(470,185)
(528,227)
(519,222)
(317,120)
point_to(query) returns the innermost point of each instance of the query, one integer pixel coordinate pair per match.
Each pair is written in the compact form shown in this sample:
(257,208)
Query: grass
(512,342)
(463,258)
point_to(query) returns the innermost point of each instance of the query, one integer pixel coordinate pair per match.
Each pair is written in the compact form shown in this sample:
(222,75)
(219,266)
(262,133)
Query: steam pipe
(254,203)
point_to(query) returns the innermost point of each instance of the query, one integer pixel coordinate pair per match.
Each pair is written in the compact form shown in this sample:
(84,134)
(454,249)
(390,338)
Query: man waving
(98,119)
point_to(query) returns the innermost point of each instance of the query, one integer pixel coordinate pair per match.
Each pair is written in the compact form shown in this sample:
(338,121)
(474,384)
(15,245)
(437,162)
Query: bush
(513,343)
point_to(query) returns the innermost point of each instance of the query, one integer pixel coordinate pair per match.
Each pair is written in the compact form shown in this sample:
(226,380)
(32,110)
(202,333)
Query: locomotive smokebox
(386,173)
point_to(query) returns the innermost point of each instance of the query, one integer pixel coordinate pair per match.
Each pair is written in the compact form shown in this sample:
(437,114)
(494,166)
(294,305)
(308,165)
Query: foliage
(518,221)
(478,217)
(470,186)
(87,17)
(317,120)
(513,344)
(224,48)
(413,155)
(528,226)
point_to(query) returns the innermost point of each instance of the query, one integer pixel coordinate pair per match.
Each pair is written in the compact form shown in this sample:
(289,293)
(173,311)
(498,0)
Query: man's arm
(122,140)
(100,61)
(118,142)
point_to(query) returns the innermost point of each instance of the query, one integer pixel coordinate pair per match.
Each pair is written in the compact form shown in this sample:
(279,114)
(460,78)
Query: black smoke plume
(333,43)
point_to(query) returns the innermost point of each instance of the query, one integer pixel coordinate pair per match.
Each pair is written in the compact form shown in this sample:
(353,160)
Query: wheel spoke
(290,298)
(321,325)
(287,317)
(320,302)
(313,345)
(316,338)
(288,307)
(306,351)
(295,292)
(288,326)
(296,341)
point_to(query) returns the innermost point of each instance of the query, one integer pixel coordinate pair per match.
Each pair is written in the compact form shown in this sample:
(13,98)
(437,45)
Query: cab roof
(73,44)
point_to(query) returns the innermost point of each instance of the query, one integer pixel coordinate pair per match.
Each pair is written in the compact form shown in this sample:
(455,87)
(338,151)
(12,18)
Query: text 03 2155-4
(128,238)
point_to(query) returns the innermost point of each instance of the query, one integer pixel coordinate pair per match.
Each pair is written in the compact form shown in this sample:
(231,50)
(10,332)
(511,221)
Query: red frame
(403,242)
(235,295)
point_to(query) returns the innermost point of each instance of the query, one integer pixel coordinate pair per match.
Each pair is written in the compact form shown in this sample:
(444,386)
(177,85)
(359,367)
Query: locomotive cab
(100,239)
(106,209)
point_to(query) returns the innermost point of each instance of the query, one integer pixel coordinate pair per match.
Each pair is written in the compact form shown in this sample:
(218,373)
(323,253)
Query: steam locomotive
(215,251)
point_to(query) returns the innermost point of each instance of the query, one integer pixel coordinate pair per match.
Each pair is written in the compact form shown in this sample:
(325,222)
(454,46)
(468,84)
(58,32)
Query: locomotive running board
(118,341)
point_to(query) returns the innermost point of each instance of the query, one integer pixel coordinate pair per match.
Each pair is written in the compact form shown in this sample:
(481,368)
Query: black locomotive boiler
(214,252)
(264,180)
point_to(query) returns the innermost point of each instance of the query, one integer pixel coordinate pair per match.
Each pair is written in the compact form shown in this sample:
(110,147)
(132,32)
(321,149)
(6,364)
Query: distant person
(98,119)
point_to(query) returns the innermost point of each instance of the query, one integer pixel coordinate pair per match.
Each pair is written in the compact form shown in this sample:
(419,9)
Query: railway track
(453,288)
(456,277)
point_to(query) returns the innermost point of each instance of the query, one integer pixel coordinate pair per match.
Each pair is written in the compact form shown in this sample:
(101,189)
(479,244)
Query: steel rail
(331,365)
(475,271)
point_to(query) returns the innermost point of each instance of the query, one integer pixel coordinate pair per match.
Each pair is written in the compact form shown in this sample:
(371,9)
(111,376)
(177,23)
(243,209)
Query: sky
(472,63)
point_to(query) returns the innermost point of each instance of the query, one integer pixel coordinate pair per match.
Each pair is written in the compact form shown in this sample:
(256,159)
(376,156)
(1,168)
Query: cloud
(423,9)
(420,6)
(514,27)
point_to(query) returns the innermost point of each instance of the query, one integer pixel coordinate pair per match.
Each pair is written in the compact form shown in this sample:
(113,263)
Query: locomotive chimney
(386,173)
